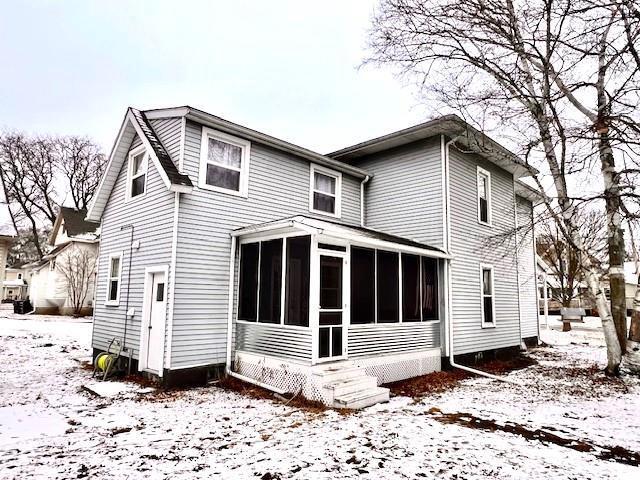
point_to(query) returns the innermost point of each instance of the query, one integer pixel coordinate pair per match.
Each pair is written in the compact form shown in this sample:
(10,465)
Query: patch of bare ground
(616,453)
(439,382)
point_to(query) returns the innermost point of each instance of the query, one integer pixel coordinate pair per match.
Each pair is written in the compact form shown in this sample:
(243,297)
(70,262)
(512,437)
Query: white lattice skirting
(293,377)
(391,368)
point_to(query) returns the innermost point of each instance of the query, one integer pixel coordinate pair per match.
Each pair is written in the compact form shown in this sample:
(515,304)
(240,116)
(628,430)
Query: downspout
(126,308)
(366,179)
(228,370)
(515,220)
(445,162)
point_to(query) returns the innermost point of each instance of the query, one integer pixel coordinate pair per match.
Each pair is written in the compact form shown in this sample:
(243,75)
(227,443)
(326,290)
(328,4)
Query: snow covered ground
(51,428)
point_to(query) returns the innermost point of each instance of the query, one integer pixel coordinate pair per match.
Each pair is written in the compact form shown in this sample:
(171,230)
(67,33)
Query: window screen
(270,281)
(429,288)
(248,300)
(387,276)
(297,278)
(410,288)
(363,285)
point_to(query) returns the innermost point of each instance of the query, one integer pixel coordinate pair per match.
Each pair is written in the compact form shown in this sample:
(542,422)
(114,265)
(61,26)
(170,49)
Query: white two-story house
(225,249)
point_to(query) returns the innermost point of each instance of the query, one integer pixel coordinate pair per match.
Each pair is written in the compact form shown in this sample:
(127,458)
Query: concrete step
(329,375)
(362,398)
(350,385)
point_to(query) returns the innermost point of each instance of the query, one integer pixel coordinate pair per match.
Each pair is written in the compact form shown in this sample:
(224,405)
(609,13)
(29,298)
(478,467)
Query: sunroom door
(331,314)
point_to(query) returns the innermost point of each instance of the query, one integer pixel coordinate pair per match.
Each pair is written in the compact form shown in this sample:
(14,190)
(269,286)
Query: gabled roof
(75,224)
(136,123)
(453,127)
(218,123)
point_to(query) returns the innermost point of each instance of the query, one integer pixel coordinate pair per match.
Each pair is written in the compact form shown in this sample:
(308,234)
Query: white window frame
(483,267)
(130,177)
(245,147)
(338,195)
(481,172)
(110,277)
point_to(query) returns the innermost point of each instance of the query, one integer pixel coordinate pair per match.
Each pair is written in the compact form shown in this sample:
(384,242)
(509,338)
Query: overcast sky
(287,68)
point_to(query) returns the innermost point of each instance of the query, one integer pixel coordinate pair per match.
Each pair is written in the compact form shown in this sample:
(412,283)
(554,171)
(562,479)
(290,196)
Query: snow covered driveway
(51,428)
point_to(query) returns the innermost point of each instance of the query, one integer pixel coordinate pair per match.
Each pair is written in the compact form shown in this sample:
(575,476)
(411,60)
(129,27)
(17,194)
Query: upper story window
(113,279)
(484,196)
(138,164)
(19,276)
(487,294)
(325,191)
(224,163)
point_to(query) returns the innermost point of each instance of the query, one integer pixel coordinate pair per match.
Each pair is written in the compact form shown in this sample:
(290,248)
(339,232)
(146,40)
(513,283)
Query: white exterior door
(332,309)
(157,316)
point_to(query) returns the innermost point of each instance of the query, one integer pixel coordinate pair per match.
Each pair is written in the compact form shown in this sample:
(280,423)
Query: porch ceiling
(350,233)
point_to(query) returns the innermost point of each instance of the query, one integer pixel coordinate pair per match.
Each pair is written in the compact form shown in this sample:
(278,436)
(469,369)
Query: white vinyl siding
(278,187)
(527,270)
(471,246)
(152,219)
(404,195)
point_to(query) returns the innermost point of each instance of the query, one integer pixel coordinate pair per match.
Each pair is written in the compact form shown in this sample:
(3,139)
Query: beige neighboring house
(72,238)
(631,283)
(16,283)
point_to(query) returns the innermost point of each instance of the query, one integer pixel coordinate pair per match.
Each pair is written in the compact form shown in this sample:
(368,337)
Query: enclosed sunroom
(324,308)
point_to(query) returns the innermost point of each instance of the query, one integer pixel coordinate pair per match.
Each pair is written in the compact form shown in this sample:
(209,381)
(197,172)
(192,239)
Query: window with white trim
(138,166)
(325,191)
(224,163)
(113,279)
(19,276)
(487,295)
(484,196)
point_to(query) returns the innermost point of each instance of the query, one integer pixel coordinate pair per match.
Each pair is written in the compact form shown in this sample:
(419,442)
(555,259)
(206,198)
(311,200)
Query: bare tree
(82,164)
(557,75)
(38,172)
(78,267)
(564,260)
(15,163)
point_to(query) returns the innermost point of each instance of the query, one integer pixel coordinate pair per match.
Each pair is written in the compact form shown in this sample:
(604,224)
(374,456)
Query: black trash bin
(22,306)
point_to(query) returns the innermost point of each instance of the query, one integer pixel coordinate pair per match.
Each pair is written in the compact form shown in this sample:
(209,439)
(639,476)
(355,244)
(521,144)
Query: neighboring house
(631,283)
(7,234)
(336,273)
(15,285)
(75,243)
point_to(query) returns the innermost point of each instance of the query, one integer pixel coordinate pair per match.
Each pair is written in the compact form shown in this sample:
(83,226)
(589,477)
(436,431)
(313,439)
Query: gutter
(366,180)
(452,361)
(228,370)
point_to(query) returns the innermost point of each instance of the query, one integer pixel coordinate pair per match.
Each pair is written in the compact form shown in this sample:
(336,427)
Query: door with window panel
(331,313)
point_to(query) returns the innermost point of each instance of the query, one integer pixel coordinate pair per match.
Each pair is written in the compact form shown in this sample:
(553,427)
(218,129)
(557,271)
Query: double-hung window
(224,163)
(484,196)
(325,191)
(138,166)
(487,296)
(113,279)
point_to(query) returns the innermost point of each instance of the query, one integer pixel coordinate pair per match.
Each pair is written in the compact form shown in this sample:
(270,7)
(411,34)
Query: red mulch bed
(438,382)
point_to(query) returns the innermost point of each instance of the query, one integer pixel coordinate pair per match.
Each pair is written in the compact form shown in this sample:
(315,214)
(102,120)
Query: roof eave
(229,127)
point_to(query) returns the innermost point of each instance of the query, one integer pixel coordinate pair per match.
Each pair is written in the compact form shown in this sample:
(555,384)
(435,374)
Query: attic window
(325,191)
(138,164)
(224,163)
